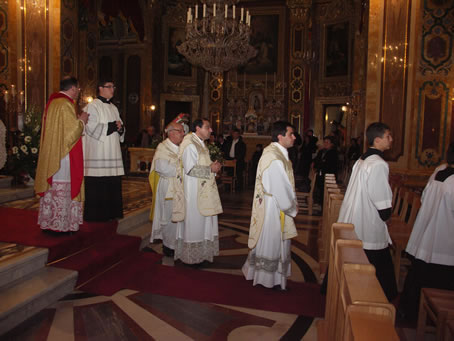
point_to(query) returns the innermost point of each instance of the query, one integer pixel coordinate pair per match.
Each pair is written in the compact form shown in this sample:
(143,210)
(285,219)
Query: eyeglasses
(109,87)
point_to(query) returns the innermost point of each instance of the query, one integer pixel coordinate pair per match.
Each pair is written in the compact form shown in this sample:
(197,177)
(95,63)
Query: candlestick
(204,10)
(266,83)
(244,83)
(233,11)
(196,11)
(226,8)
(214,10)
(242,14)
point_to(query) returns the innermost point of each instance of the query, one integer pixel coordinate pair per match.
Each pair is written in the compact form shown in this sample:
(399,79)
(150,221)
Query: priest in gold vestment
(273,209)
(59,175)
(196,198)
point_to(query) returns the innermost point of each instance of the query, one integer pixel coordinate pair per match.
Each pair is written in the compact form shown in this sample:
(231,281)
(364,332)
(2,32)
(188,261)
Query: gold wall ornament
(217,36)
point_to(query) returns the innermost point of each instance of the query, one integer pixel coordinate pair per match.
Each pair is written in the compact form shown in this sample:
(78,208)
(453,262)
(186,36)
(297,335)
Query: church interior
(330,66)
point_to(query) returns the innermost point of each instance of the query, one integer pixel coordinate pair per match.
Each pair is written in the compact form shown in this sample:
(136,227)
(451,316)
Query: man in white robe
(196,198)
(432,239)
(367,205)
(103,161)
(274,207)
(162,178)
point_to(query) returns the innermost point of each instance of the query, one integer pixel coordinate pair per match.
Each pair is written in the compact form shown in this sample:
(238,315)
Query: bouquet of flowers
(25,152)
(215,152)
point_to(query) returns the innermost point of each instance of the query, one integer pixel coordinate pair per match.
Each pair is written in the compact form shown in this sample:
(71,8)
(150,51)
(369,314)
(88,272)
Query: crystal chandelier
(217,36)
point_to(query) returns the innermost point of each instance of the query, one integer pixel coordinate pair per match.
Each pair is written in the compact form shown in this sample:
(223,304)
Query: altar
(138,155)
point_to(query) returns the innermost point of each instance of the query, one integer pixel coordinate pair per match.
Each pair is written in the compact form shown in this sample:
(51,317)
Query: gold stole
(208,200)
(288,227)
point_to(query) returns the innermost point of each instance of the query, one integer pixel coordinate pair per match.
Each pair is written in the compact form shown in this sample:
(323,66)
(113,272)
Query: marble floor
(132,315)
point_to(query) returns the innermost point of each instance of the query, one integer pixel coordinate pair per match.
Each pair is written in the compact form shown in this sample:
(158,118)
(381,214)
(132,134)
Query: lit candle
(5,97)
(226,8)
(204,10)
(233,11)
(13,90)
(242,14)
(214,10)
(21,97)
(196,11)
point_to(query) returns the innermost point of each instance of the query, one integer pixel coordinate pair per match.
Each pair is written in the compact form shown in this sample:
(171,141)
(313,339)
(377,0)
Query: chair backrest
(230,164)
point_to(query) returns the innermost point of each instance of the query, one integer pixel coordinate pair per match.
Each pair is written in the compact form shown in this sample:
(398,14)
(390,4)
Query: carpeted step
(19,261)
(21,301)
(100,256)
(20,226)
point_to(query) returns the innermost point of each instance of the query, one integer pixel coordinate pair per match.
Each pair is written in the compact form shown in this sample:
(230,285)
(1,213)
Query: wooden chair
(400,229)
(227,179)
(438,306)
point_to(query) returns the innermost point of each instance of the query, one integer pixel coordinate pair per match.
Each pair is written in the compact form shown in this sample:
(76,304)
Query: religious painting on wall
(336,50)
(267,37)
(177,64)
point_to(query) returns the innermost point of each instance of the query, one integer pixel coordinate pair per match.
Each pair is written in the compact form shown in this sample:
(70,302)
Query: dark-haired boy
(367,205)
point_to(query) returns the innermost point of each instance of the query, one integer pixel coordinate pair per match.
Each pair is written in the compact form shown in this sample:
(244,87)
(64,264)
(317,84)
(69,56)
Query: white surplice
(163,228)
(367,192)
(432,237)
(102,152)
(269,263)
(198,235)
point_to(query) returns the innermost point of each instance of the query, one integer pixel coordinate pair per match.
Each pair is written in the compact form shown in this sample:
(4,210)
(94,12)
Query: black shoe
(167,251)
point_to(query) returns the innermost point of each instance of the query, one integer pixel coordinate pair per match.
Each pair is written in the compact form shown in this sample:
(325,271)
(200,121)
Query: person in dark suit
(324,163)
(235,149)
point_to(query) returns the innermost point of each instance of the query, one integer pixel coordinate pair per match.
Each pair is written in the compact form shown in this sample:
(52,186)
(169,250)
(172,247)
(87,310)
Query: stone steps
(19,261)
(27,285)
(16,193)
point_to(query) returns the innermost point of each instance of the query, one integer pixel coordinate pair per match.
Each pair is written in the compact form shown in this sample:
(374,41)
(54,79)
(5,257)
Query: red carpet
(143,274)
(19,226)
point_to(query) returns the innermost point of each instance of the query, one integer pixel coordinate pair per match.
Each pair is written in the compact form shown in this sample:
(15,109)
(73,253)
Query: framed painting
(336,51)
(176,66)
(267,37)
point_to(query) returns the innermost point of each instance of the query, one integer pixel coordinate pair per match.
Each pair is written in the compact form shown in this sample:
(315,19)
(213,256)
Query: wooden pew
(369,323)
(347,251)
(329,217)
(360,287)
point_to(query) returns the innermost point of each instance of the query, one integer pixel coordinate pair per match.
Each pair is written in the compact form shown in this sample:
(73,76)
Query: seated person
(431,243)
